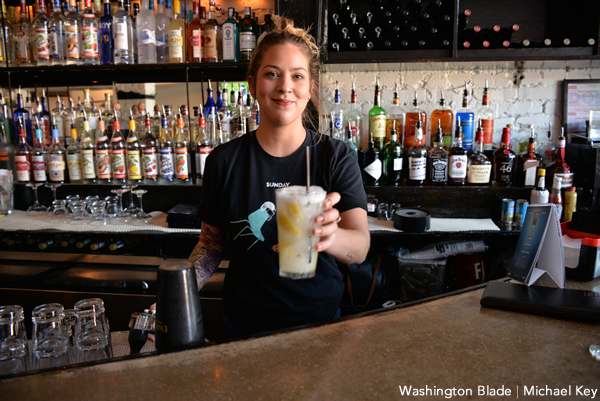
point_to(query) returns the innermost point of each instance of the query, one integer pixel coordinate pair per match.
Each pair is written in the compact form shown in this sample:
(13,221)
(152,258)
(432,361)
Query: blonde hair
(282,32)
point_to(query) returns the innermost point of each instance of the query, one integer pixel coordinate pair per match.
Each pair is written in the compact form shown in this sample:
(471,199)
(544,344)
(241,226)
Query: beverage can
(508,211)
(520,212)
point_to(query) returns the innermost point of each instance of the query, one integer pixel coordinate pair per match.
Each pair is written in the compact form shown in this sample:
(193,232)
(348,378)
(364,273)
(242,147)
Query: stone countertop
(449,343)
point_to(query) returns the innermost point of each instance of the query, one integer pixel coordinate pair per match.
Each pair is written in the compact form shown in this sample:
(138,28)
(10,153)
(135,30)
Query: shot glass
(14,353)
(296,212)
(383,211)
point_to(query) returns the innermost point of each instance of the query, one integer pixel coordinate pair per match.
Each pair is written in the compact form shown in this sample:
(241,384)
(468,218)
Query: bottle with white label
(25,39)
(103,155)
(74,164)
(90,36)
(479,167)
(58,48)
(370,164)
(41,29)
(146,33)
(134,153)
(149,152)
(118,153)
(337,115)
(73,35)
(181,150)
(211,36)
(457,172)
(194,33)
(177,37)
(57,160)
(162,35)
(165,151)
(230,37)
(417,158)
(540,194)
(123,36)
(88,153)
(39,158)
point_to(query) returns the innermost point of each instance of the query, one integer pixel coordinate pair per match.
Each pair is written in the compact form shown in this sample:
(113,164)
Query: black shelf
(79,75)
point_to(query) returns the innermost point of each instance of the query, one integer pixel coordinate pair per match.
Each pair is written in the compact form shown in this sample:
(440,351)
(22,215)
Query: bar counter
(450,345)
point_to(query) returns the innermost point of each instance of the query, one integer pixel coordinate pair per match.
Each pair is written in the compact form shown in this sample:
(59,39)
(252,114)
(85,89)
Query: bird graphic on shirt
(255,222)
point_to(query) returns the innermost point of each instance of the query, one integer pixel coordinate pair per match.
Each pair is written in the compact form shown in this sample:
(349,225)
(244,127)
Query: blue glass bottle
(230,37)
(106,33)
(45,119)
(24,114)
(467,121)
(210,102)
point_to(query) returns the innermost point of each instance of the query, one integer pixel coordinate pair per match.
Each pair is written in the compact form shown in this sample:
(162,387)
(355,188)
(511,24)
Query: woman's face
(282,85)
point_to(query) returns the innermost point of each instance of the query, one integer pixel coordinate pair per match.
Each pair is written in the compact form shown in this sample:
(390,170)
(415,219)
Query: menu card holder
(539,257)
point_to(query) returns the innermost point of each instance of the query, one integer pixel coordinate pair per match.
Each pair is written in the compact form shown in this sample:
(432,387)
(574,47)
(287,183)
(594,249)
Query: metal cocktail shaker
(178,313)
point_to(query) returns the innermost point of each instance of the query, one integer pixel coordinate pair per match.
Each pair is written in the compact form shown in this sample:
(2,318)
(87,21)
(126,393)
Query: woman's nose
(284,85)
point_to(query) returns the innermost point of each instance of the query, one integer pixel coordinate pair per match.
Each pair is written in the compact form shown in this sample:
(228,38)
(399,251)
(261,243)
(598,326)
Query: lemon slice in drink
(287,225)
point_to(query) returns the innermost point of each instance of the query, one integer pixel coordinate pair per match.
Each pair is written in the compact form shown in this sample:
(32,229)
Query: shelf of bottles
(441,30)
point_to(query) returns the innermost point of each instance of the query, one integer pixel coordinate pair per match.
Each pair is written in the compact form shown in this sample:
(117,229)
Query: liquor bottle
(44,119)
(23,156)
(134,153)
(548,149)
(354,118)
(504,160)
(444,116)
(254,119)
(370,164)
(377,119)
(73,35)
(437,160)
(7,154)
(230,38)
(467,120)
(487,119)
(528,164)
(211,36)
(412,116)
(149,153)
(556,196)
(166,151)
(22,116)
(24,38)
(177,37)
(94,246)
(39,158)
(57,159)
(182,157)
(123,36)
(210,104)
(479,167)
(41,32)
(145,26)
(392,160)
(90,35)
(540,194)
(118,152)
(560,168)
(396,116)
(7,56)
(88,153)
(337,115)
(103,153)
(350,141)
(162,34)
(457,172)
(74,163)
(417,157)
(203,146)
(248,35)
(69,117)
(194,34)
(6,120)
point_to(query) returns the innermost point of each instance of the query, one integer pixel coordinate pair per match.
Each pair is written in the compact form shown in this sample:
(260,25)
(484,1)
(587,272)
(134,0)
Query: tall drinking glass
(14,355)
(297,208)
(50,344)
(92,333)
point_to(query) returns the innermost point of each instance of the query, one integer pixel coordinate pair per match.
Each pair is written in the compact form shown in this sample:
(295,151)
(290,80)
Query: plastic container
(589,256)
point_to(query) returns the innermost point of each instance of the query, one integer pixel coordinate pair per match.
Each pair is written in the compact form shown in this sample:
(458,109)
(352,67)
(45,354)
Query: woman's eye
(271,74)
(298,76)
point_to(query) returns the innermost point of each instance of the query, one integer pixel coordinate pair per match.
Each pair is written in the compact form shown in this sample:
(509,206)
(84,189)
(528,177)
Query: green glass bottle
(378,119)
(392,160)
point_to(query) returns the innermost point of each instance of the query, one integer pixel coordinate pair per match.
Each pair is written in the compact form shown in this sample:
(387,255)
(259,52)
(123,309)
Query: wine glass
(121,214)
(53,186)
(37,207)
(131,209)
(141,217)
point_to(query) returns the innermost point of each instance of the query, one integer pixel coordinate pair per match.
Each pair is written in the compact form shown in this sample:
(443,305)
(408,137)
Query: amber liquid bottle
(479,167)
(417,158)
(445,116)
(194,34)
(412,116)
(560,168)
(504,161)
(529,163)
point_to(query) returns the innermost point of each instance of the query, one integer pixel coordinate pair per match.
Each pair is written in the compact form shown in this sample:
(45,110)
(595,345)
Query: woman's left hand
(328,221)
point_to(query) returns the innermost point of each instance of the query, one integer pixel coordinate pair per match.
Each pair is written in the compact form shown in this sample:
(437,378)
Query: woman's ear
(251,86)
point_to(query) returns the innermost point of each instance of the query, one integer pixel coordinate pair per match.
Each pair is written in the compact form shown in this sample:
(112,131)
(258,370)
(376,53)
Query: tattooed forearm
(349,255)
(206,256)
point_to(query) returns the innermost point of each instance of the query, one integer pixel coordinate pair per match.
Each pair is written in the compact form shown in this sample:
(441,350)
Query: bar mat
(440,225)
(20,221)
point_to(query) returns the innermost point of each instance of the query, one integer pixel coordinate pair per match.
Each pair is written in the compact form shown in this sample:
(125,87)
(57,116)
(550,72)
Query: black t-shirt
(238,193)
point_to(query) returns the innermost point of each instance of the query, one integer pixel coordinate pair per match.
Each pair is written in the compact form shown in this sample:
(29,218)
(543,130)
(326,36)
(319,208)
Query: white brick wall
(535,99)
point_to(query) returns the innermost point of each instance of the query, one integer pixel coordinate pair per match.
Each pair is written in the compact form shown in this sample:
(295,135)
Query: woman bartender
(238,196)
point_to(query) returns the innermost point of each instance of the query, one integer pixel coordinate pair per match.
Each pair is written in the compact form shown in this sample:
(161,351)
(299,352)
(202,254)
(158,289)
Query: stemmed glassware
(37,206)
(53,186)
(121,214)
(131,210)
(141,217)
